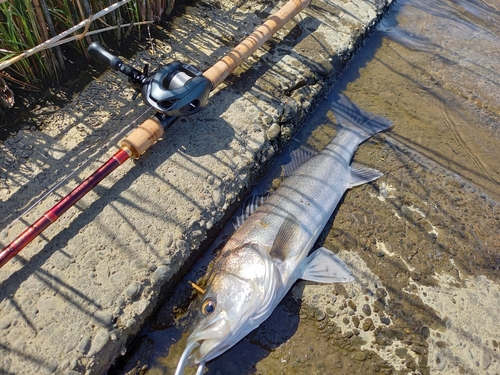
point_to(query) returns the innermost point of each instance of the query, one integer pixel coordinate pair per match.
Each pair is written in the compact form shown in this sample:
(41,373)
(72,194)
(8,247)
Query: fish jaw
(245,286)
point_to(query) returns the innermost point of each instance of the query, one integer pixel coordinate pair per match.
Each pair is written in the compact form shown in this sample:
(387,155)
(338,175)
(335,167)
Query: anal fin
(359,175)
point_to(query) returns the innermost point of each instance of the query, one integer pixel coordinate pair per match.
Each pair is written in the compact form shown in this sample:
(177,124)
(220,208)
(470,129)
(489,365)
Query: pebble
(84,344)
(6,321)
(359,356)
(319,315)
(352,305)
(355,321)
(366,309)
(273,131)
(133,289)
(367,324)
(120,301)
(101,338)
(103,318)
(385,321)
(160,273)
(50,367)
(167,240)
(418,349)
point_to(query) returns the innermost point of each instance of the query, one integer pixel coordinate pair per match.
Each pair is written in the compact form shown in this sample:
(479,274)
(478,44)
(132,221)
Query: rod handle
(143,137)
(225,66)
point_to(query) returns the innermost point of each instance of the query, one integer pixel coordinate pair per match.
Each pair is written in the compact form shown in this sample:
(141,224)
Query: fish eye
(208,306)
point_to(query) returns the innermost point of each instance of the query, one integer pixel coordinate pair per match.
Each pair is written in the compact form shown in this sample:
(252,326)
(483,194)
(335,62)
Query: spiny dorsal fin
(251,204)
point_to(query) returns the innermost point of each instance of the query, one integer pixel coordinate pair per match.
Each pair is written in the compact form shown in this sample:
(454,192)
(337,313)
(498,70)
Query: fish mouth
(186,359)
(202,347)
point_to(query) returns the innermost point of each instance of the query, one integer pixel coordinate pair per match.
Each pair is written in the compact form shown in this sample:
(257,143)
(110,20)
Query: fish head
(237,299)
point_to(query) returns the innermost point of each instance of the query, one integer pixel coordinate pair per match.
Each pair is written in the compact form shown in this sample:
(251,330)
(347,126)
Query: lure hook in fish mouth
(183,361)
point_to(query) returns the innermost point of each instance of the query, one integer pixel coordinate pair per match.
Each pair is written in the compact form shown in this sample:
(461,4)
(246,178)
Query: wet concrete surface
(72,301)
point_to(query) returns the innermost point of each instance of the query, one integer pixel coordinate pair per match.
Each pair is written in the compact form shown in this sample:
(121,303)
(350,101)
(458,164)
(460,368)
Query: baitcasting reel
(175,89)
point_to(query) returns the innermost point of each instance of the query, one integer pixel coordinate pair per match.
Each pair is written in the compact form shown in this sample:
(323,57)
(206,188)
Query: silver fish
(269,251)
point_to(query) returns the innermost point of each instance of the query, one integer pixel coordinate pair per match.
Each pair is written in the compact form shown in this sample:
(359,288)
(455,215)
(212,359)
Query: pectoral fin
(286,238)
(323,266)
(359,175)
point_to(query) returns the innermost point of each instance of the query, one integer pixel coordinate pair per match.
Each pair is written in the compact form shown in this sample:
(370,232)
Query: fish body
(268,253)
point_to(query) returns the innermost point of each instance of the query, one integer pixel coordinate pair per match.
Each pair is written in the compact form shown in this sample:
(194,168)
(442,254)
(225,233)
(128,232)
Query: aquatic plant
(29,24)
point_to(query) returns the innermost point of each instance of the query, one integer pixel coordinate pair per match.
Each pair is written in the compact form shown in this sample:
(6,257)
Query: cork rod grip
(217,73)
(143,137)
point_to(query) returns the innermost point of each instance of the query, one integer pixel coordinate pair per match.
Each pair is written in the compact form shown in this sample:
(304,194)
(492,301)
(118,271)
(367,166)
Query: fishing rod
(174,90)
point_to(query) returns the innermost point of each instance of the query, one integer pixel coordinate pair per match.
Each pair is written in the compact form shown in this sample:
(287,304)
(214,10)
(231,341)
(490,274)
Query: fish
(270,251)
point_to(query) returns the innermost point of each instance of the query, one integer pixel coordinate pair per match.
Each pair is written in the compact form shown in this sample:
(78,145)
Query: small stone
(84,344)
(385,321)
(381,293)
(103,318)
(355,321)
(319,315)
(378,306)
(359,356)
(160,273)
(51,366)
(211,179)
(351,304)
(133,289)
(383,341)
(401,352)
(100,340)
(167,240)
(418,349)
(367,324)
(131,322)
(273,131)
(485,361)
(330,312)
(366,310)
(120,301)
(6,321)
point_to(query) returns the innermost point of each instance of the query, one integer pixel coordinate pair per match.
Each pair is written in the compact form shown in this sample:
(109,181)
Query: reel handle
(98,53)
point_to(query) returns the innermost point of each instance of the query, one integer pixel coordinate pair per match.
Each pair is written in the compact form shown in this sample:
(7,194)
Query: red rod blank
(63,205)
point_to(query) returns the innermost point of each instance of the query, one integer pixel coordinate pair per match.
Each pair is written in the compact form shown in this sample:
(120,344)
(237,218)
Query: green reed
(27,23)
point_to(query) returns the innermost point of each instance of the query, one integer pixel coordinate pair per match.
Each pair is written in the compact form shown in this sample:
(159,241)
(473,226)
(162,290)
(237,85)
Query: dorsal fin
(298,157)
(248,207)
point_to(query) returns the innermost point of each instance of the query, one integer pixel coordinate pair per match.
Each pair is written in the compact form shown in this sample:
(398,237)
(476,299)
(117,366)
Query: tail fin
(353,118)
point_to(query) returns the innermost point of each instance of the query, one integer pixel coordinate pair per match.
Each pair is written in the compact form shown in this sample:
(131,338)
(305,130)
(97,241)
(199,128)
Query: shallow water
(423,241)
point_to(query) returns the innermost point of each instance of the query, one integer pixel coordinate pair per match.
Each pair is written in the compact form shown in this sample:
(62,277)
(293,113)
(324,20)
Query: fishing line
(78,168)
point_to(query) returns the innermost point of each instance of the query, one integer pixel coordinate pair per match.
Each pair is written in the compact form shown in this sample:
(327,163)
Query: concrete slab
(72,300)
